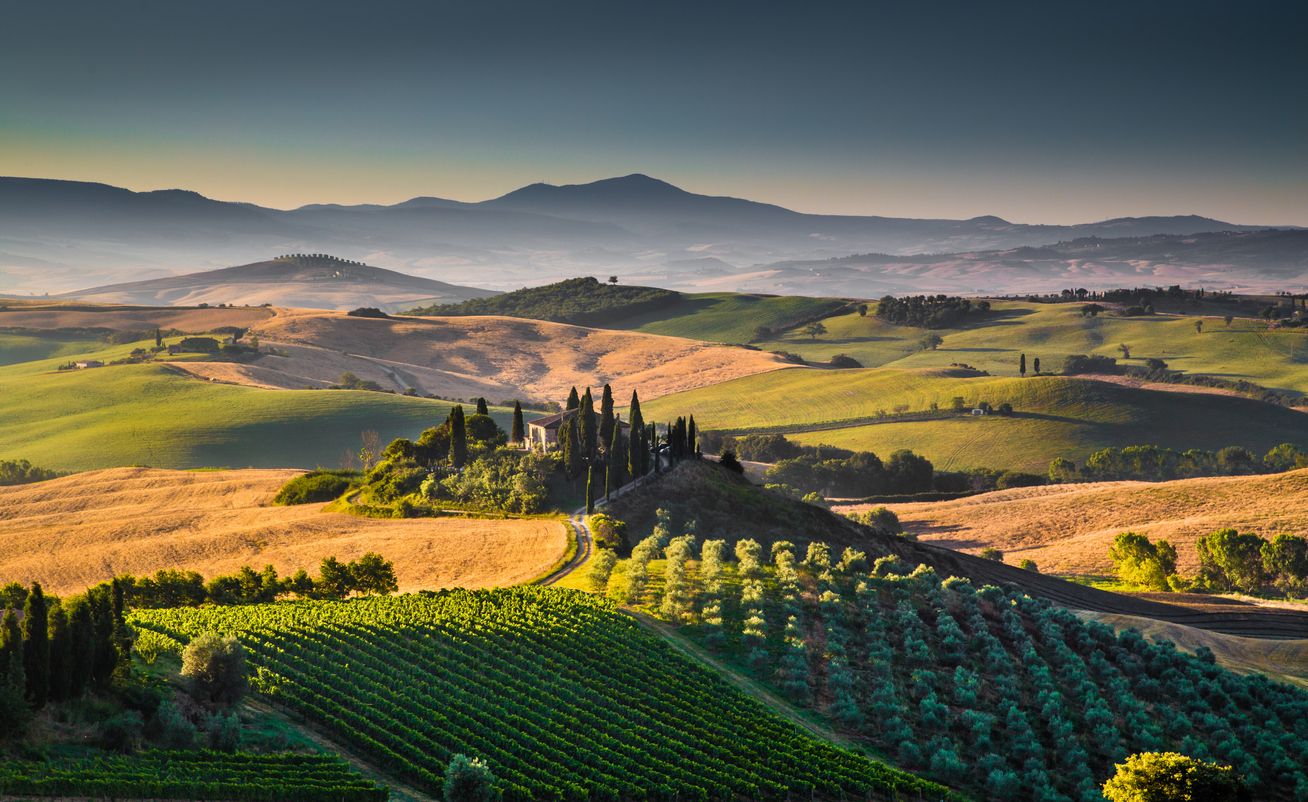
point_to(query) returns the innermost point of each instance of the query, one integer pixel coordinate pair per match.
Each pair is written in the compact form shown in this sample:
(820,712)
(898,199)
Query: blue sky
(1037,112)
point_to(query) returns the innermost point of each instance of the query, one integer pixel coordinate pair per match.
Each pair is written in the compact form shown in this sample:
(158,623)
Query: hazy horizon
(1059,113)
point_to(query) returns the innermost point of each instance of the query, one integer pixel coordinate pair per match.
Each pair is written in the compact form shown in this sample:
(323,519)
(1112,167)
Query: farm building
(543,433)
(88,363)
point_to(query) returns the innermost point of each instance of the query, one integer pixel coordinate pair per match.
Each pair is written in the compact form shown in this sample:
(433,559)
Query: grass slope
(154,415)
(1245,350)
(1056,416)
(728,317)
(75,531)
(563,696)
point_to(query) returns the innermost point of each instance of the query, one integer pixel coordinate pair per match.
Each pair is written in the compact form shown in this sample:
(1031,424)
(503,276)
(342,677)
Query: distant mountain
(58,235)
(313,282)
(1249,261)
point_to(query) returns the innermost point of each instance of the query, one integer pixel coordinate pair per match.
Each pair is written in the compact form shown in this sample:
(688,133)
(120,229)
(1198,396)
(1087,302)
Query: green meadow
(156,415)
(728,317)
(1244,350)
(1054,416)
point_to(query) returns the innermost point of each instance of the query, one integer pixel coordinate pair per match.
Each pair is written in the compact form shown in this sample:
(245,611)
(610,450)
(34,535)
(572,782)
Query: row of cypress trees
(594,443)
(58,649)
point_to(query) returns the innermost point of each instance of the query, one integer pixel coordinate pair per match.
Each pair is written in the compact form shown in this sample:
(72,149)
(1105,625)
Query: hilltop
(73,532)
(1067,529)
(315,281)
(583,301)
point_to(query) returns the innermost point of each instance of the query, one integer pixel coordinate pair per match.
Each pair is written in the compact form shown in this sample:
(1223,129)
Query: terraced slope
(563,696)
(76,531)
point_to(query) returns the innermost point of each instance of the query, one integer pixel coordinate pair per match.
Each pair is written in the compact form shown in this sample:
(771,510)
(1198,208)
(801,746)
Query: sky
(1041,112)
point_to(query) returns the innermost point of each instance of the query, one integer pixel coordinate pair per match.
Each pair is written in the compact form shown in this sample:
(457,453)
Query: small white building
(88,363)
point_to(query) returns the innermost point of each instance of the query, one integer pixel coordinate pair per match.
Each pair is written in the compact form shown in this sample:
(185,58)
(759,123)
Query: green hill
(1054,416)
(580,301)
(729,317)
(155,415)
(1245,350)
(562,696)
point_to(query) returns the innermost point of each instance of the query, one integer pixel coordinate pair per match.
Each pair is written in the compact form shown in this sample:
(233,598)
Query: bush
(367,311)
(992,553)
(122,733)
(1172,777)
(728,460)
(215,667)
(315,487)
(1081,363)
(468,780)
(224,732)
(844,361)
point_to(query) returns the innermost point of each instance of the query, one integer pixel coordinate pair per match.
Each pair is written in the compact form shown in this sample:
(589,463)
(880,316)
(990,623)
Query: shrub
(122,732)
(992,553)
(468,780)
(315,487)
(367,311)
(844,361)
(1171,777)
(215,667)
(1081,363)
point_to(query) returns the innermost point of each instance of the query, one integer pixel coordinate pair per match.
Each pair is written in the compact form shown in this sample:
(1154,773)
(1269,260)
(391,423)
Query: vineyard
(562,696)
(192,775)
(985,689)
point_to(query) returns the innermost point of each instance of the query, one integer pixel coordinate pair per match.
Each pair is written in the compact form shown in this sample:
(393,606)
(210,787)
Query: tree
(601,568)
(36,647)
(61,653)
(587,428)
(930,342)
(468,780)
(1230,560)
(616,474)
(590,490)
(606,416)
(1228,319)
(1029,565)
(862,310)
(1126,350)
(613,279)
(482,408)
(1021,365)
(1285,457)
(728,460)
(81,627)
(1141,562)
(1035,364)
(991,553)
(519,431)
(1285,559)
(1199,326)
(158,338)
(1172,777)
(334,581)
(573,400)
(14,712)
(215,668)
(458,437)
(814,329)
(1062,469)
(638,447)
(570,447)
(372,574)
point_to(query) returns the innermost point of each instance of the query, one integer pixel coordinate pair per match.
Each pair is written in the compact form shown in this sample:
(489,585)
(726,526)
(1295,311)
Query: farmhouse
(543,433)
(88,363)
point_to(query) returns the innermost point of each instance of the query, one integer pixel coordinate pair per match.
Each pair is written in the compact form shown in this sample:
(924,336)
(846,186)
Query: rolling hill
(1054,416)
(495,357)
(1067,529)
(76,531)
(315,282)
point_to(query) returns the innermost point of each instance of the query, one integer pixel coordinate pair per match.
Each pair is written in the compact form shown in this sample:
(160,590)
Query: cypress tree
(158,338)
(11,654)
(482,409)
(1036,364)
(692,445)
(103,649)
(654,447)
(122,636)
(1021,365)
(36,647)
(569,448)
(81,637)
(458,437)
(590,490)
(587,428)
(573,400)
(636,448)
(61,653)
(616,477)
(519,433)
(606,416)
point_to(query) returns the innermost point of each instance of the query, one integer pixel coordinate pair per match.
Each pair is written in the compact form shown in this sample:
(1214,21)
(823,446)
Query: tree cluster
(1156,464)
(930,311)
(584,301)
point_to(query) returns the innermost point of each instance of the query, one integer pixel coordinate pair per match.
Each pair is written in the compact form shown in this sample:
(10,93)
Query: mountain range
(56,236)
